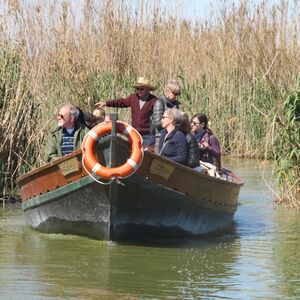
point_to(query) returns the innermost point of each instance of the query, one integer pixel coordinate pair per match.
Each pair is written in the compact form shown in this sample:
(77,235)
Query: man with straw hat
(141,104)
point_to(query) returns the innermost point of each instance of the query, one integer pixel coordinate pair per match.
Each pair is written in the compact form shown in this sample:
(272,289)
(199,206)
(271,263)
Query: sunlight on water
(257,258)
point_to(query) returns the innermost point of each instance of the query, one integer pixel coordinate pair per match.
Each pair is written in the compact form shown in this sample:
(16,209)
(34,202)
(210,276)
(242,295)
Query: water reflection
(78,267)
(257,258)
(286,253)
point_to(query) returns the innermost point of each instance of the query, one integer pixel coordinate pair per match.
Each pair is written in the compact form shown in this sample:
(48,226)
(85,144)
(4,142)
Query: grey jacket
(160,105)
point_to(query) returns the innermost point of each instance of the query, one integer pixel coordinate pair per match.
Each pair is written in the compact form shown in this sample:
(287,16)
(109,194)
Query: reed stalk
(286,148)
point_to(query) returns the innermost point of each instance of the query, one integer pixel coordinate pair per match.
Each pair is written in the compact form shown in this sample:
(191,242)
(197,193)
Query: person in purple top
(208,143)
(173,144)
(141,104)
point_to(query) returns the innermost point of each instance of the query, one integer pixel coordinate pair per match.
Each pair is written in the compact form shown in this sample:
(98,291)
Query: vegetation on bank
(286,148)
(238,67)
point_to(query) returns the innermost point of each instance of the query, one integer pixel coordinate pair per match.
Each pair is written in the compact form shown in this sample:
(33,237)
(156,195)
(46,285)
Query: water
(257,258)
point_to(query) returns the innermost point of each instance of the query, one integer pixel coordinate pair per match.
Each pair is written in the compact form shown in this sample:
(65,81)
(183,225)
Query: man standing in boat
(141,104)
(67,136)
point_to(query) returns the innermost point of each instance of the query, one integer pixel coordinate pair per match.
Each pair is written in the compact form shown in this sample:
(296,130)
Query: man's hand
(100,104)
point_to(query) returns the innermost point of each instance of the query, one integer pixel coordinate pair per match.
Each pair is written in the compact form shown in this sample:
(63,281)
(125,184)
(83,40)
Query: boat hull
(82,209)
(161,200)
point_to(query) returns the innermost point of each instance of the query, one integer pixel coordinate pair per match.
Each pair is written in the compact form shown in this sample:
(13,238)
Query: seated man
(67,136)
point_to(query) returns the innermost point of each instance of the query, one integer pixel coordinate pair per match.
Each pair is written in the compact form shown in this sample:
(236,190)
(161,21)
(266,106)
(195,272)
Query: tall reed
(237,67)
(286,149)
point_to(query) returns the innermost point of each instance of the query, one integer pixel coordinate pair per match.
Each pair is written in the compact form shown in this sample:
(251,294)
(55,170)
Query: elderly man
(67,136)
(141,104)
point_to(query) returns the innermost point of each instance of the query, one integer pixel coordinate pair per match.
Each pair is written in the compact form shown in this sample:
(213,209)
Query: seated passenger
(193,150)
(99,115)
(173,143)
(89,119)
(67,136)
(209,146)
(83,117)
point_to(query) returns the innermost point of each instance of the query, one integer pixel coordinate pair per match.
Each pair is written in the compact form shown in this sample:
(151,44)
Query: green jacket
(53,145)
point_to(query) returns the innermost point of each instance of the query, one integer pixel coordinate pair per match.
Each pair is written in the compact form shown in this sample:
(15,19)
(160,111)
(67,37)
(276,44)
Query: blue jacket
(174,147)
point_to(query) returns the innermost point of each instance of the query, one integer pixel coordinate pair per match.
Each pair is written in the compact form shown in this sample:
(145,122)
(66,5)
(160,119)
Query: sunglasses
(140,89)
(61,116)
(195,123)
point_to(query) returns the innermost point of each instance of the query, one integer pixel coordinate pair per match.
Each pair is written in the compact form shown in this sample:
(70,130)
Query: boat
(108,200)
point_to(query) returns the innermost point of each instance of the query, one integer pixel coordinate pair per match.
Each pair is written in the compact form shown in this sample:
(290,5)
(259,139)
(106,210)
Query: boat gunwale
(47,166)
(236,180)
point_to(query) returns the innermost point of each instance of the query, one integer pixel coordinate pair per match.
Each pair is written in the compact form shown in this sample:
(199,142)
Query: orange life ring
(123,171)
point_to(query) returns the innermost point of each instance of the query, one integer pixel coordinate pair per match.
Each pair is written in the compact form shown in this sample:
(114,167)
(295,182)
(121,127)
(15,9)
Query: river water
(257,258)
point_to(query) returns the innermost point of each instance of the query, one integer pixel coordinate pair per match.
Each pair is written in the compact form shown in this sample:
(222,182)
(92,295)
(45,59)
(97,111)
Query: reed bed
(286,148)
(238,67)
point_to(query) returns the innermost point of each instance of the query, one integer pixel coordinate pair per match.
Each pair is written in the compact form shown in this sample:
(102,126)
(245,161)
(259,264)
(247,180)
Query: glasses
(195,123)
(61,116)
(175,94)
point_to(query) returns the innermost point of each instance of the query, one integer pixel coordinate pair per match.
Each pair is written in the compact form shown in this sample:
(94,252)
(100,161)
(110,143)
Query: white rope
(92,175)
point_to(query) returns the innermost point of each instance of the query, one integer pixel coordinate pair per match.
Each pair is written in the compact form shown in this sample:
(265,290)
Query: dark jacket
(161,104)
(174,147)
(140,118)
(193,151)
(53,144)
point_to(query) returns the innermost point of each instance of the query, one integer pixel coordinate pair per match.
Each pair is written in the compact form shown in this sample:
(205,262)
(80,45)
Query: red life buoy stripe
(125,170)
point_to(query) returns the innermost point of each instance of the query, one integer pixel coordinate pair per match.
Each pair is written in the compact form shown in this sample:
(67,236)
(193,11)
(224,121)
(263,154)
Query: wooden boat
(162,199)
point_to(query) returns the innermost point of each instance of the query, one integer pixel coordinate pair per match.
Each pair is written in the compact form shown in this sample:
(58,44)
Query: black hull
(161,200)
(138,210)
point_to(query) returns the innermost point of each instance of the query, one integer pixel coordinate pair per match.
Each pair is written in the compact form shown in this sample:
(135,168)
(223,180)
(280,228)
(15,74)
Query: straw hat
(143,82)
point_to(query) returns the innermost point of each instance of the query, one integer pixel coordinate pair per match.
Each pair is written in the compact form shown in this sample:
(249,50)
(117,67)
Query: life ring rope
(93,176)
(89,159)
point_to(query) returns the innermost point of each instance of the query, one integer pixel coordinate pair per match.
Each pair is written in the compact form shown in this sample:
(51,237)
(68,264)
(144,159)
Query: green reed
(286,149)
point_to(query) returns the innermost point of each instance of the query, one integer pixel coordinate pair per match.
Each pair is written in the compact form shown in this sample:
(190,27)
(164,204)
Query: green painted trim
(58,193)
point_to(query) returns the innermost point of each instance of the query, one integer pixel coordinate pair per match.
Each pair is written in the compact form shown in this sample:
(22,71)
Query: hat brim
(150,87)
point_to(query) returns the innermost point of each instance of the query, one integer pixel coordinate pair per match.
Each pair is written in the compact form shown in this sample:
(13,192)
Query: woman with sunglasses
(172,144)
(208,143)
